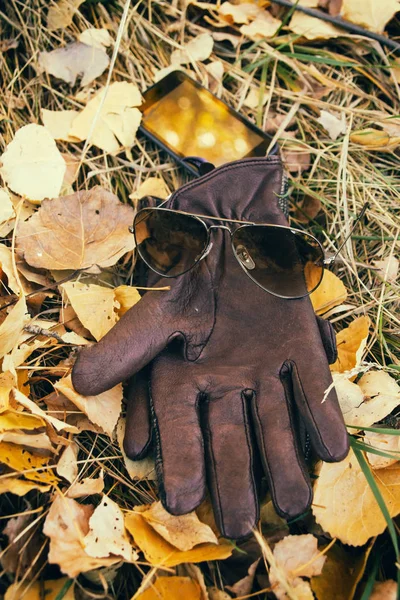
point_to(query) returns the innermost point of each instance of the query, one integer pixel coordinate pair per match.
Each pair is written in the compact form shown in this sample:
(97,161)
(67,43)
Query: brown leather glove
(237,371)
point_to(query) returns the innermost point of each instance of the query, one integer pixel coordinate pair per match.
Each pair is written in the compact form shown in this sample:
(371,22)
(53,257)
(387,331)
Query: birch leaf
(387,443)
(12,326)
(137,469)
(36,410)
(67,465)
(58,123)
(107,535)
(312,28)
(369,14)
(351,343)
(99,38)
(75,60)
(328,294)
(77,231)
(103,409)
(32,165)
(20,487)
(95,306)
(30,465)
(344,504)
(6,261)
(50,590)
(198,49)
(331,122)
(172,588)
(61,14)
(86,487)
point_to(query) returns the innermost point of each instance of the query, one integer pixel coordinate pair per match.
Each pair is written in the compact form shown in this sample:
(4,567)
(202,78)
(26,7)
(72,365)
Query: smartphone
(188,121)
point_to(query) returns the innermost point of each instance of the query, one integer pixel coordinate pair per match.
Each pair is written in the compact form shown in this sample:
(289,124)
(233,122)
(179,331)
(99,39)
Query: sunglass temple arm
(331,259)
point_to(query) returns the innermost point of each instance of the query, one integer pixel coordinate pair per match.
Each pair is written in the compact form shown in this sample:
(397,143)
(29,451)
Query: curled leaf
(328,294)
(351,343)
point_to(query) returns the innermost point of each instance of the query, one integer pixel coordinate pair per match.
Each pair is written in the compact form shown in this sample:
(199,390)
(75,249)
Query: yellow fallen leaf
(67,465)
(67,524)
(137,469)
(30,465)
(7,266)
(20,487)
(199,48)
(58,123)
(369,13)
(73,60)
(12,326)
(385,590)
(99,38)
(152,186)
(263,26)
(77,231)
(374,397)
(158,551)
(36,410)
(216,594)
(296,556)
(32,165)
(331,122)
(14,419)
(103,409)
(172,588)
(117,119)
(328,294)
(127,297)
(371,138)
(49,590)
(184,532)
(312,28)
(107,535)
(344,504)
(7,213)
(341,574)
(388,268)
(386,443)
(351,343)
(7,383)
(60,15)
(238,13)
(94,304)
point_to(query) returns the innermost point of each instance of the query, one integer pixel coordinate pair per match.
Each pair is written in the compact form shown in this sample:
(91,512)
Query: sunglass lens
(169,242)
(284,262)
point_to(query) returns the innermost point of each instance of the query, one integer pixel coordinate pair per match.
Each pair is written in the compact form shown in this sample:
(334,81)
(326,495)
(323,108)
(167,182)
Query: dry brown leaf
(77,231)
(198,49)
(30,465)
(103,409)
(58,123)
(328,294)
(296,556)
(252,99)
(35,410)
(183,532)
(86,487)
(341,574)
(7,213)
(374,397)
(244,586)
(99,38)
(20,487)
(351,343)
(370,138)
(66,525)
(331,122)
(238,13)
(59,406)
(215,594)
(369,13)
(117,118)
(137,469)
(12,327)
(7,267)
(36,441)
(160,552)
(67,465)
(75,60)
(296,158)
(172,588)
(344,504)
(32,165)
(107,535)
(94,305)
(383,590)
(312,28)
(388,268)
(61,14)
(308,208)
(385,442)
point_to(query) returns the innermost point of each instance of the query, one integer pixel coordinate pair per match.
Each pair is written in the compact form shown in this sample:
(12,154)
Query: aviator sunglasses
(282,260)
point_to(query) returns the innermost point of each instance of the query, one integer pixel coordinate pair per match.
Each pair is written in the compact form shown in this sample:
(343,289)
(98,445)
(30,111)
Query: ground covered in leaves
(78,519)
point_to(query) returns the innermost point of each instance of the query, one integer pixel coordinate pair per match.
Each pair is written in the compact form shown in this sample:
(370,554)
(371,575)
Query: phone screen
(190,121)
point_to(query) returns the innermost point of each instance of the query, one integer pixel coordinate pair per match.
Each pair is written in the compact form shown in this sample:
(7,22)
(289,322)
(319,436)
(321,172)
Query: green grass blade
(376,429)
(64,589)
(373,450)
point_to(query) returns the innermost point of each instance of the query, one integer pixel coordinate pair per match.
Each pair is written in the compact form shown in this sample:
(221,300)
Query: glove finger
(137,431)
(323,419)
(230,468)
(132,343)
(275,422)
(179,444)
(328,338)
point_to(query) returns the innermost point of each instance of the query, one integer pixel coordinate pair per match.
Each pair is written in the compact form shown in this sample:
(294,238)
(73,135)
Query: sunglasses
(282,260)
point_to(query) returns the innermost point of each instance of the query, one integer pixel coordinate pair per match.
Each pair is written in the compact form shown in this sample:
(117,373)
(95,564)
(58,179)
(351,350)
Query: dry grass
(353,78)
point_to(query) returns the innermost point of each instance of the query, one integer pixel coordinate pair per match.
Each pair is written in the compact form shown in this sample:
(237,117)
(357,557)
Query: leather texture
(227,376)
